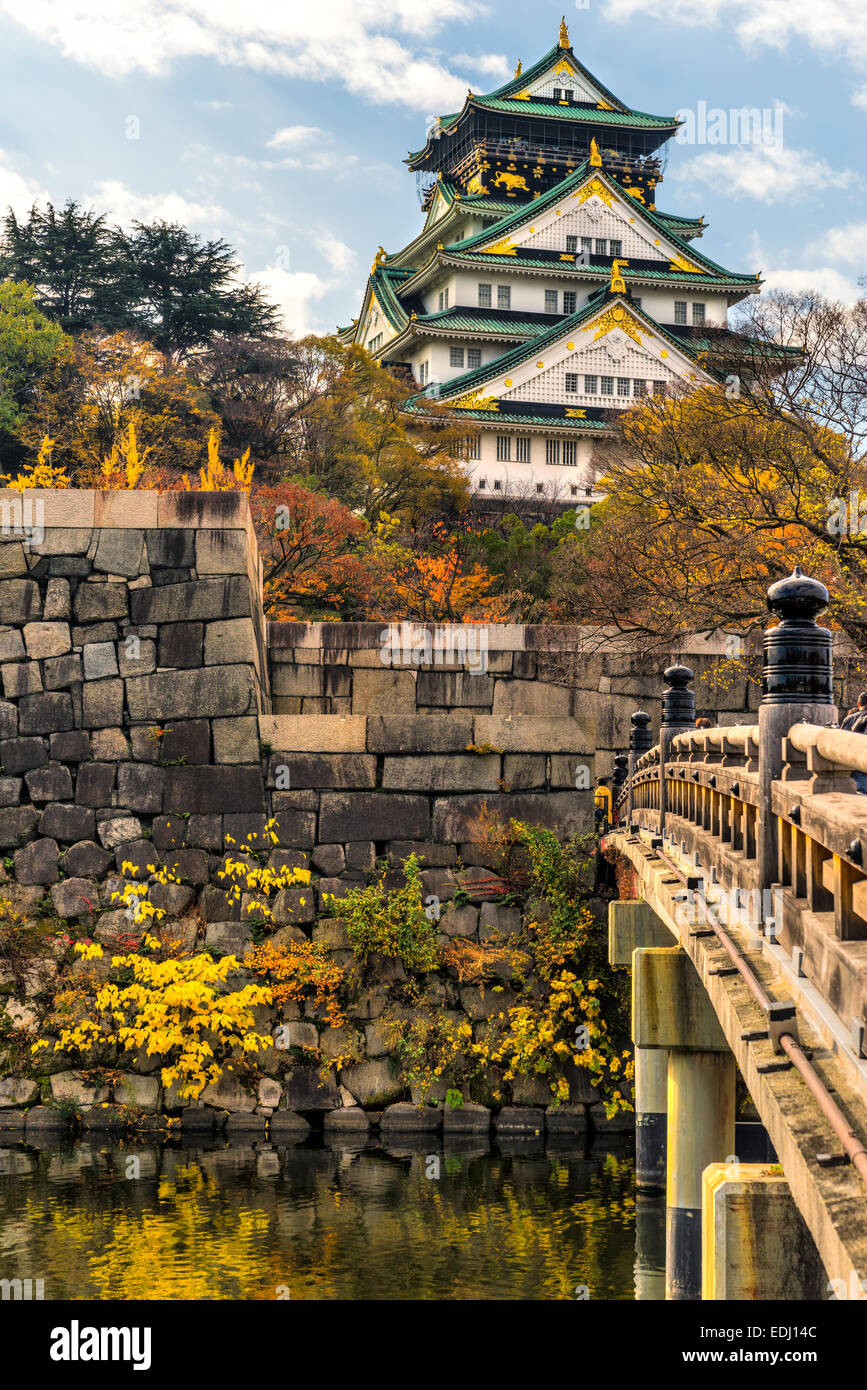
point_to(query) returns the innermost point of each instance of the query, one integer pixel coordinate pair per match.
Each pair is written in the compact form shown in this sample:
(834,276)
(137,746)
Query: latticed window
(444,299)
(522,449)
(570,450)
(639,387)
(659,388)
(504,297)
(474,446)
(615,248)
(504,448)
(680,311)
(484,296)
(497,485)
(474,357)
(570,301)
(571,381)
(601,244)
(606,386)
(375,343)
(698,313)
(590,385)
(456,357)
(571,244)
(623,386)
(552,451)
(587,243)
(550,301)
(424,373)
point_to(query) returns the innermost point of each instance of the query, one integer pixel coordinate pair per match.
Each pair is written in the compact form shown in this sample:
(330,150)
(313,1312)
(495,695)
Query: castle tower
(546,289)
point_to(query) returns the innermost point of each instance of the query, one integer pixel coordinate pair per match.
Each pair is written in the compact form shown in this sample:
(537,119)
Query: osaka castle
(546,288)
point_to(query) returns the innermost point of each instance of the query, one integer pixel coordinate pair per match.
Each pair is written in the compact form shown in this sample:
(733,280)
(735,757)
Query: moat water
(98,1219)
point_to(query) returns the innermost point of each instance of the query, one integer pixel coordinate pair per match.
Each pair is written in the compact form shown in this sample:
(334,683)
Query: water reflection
(359,1218)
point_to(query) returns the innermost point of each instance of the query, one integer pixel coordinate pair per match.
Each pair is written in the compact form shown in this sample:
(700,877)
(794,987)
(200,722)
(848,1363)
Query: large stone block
(122,508)
(58,602)
(181,645)
(75,897)
(13,561)
(307,1089)
(45,714)
(565,813)
(20,601)
(310,733)
(375,1082)
(99,602)
(37,862)
(230,641)
(208,692)
(525,772)
(24,678)
(94,784)
(102,704)
(189,739)
(420,733)
(16,825)
(51,783)
(119,551)
(10,791)
(71,747)
(140,787)
(11,644)
(221,552)
(46,639)
(236,740)
(198,601)
(61,672)
(458,772)
(136,656)
(322,770)
(209,790)
(171,548)
(372,816)
(67,823)
(19,755)
(297,681)
(451,689)
(100,660)
(523,733)
(373,691)
(86,859)
(536,698)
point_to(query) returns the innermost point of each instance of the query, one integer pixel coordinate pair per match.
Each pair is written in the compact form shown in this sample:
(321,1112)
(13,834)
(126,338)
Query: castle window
(482,484)
(573,490)
(497,485)
(539,487)
(590,385)
(615,248)
(474,357)
(423,373)
(570,448)
(639,387)
(558,93)
(456,357)
(444,299)
(698,314)
(570,301)
(571,244)
(571,381)
(474,447)
(623,386)
(680,311)
(606,386)
(375,343)
(601,244)
(659,388)
(522,450)
(636,299)
(587,243)
(552,451)
(550,301)
(484,296)
(504,448)
(504,297)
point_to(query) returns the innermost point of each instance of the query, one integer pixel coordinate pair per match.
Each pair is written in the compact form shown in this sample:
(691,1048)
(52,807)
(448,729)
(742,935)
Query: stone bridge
(747,941)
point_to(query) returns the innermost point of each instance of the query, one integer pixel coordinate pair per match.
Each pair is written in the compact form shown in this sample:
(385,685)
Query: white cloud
(822,278)
(859,97)
(340,257)
(293,136)
(764,172)
(17,190)
(360,44)
(491,64)
(215,105)
(124,205)
(832,27)
(847,244)
(294,293)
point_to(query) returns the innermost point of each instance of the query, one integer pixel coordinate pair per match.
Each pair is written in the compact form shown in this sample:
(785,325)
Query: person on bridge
(856,723)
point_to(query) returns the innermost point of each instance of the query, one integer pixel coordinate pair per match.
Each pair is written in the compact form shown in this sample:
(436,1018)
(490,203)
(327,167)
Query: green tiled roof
(554,55)
(642,120)
(573,181)
(468,381)
(466,320)
(601,272)
(505,417)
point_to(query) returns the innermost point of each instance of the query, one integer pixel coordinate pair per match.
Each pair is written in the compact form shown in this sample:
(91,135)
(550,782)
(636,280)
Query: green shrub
(391,922)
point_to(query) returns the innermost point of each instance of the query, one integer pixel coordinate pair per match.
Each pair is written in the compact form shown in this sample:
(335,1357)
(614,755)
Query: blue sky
(282,124)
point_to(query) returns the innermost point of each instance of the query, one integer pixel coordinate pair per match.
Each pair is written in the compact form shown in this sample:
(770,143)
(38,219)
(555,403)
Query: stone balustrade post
(678,714)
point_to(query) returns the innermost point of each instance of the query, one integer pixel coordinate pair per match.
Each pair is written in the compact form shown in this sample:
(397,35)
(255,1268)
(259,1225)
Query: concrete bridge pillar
(755,1243)
(671,1010)
(632,925)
